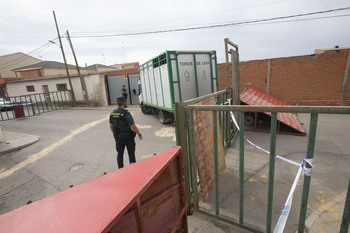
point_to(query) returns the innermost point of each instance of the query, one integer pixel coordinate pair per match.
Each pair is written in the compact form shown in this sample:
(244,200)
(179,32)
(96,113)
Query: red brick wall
(29,74)
(304,80)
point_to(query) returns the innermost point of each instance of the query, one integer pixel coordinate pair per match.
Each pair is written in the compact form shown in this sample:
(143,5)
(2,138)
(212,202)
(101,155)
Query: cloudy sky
(99,28)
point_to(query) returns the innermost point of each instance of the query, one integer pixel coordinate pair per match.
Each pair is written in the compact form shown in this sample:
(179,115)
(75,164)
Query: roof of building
(11,61)
(45,64)
(253,96)
(96,67)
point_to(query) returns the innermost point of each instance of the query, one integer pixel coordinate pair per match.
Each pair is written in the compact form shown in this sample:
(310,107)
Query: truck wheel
(145,109)
(165,117)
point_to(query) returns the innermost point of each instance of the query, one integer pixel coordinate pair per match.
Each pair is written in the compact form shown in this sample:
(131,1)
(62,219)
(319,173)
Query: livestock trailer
(176,76)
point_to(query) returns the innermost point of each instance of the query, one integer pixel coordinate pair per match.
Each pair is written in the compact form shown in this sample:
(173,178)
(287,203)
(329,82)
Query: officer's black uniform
(121,120)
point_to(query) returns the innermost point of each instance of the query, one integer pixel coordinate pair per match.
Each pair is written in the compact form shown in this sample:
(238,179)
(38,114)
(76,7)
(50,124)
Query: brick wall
(305,80)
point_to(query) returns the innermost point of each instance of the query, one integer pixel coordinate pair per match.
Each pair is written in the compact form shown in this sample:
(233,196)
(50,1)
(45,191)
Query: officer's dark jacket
(121,120)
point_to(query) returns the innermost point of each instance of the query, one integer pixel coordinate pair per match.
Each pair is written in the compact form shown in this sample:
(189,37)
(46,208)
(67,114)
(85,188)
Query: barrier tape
(262,149)
(302,170)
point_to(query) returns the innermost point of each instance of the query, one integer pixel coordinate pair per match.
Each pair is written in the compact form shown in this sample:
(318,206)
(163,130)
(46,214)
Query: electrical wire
(220,25)
(37,50)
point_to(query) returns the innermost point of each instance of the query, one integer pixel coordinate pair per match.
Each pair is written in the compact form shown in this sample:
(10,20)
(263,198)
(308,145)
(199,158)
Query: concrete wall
(305,80)
(95,86)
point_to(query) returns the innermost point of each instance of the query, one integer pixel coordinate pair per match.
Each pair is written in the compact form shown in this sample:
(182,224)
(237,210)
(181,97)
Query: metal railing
(191,167)
(30,105)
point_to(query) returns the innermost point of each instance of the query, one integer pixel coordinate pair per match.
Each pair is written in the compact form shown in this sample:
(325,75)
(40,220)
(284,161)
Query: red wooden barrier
(147,196)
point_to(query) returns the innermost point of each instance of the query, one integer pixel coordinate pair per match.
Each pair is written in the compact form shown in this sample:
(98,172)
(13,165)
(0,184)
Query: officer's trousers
(122,141)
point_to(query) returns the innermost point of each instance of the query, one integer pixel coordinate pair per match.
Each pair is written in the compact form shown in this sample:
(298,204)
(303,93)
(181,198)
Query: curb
(314,215)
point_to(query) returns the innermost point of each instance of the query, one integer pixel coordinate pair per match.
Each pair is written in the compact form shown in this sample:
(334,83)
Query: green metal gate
(30,105)
(186,138)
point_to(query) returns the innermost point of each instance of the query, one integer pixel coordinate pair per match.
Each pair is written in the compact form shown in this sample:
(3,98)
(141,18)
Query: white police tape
(286,209)
(258,147)
(302,169)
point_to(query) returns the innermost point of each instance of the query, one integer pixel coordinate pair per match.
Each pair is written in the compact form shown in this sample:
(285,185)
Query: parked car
(5,105)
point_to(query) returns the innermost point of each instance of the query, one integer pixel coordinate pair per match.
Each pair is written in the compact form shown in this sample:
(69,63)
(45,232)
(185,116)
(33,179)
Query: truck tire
(145,109)
(165,117)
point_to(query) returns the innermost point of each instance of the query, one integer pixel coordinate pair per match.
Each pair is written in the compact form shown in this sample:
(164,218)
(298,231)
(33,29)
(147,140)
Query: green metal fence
(182,134)
(186,138)
(30,105)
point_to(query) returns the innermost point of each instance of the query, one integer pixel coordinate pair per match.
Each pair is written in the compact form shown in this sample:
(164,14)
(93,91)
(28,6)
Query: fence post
(307,178)
(181,140)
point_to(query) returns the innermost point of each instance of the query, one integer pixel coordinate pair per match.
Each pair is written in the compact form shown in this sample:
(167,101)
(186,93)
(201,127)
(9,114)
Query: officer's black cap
(121,99)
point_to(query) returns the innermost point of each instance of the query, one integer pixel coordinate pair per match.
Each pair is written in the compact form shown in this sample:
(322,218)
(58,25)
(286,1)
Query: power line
(41,48)
(219,25)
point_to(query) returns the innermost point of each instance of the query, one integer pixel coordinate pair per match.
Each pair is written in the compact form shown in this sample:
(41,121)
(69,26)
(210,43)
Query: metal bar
(232,221)
(241,167)
(306,186)
(192,139)
(198,99)
(26,102)
(269,108)
(32,104)
(65,98)
(195,74)
(271,171)
(216,162)
(50,102)
(227,63)
(54,101)
(41,101)
(37,103)
(344,228)
(181,139)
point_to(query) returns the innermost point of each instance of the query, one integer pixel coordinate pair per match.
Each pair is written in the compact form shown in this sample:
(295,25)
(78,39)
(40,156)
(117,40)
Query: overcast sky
(28,25)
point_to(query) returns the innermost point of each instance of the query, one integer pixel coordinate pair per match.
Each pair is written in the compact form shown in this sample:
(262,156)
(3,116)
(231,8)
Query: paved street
(76,145)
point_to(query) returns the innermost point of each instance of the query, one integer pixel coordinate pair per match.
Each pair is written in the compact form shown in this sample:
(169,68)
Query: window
(30,88)
(61,87)
(39,73)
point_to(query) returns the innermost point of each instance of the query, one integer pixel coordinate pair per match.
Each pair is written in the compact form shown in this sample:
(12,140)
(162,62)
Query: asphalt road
(76,145)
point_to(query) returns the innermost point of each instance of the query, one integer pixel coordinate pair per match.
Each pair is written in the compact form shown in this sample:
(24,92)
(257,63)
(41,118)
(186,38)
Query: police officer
(125,94)
(124,131)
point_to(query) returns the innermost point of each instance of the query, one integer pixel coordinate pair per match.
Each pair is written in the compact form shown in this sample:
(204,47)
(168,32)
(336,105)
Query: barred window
(30,88)
(61,87)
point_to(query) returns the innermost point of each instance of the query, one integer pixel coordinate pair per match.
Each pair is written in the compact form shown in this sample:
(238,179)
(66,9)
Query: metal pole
(241,167)
(181,140)
(227,64)
(216,162)
(64,58)
(235,77)
(82,81)
(307,178)
(271,170)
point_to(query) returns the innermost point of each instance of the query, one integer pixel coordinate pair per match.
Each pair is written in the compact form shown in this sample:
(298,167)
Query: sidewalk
(16,141)
(328,217)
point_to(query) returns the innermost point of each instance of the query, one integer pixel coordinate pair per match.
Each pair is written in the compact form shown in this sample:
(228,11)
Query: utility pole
(65,61)
(82,81)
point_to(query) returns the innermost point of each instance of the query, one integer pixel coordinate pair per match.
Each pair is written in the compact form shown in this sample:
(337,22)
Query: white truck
(175,76)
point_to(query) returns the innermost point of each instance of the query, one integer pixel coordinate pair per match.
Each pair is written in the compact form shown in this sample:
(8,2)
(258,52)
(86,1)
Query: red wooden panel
(252,96)
(97,205)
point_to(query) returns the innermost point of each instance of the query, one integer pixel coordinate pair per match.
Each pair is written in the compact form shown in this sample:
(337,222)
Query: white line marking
(33,158)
